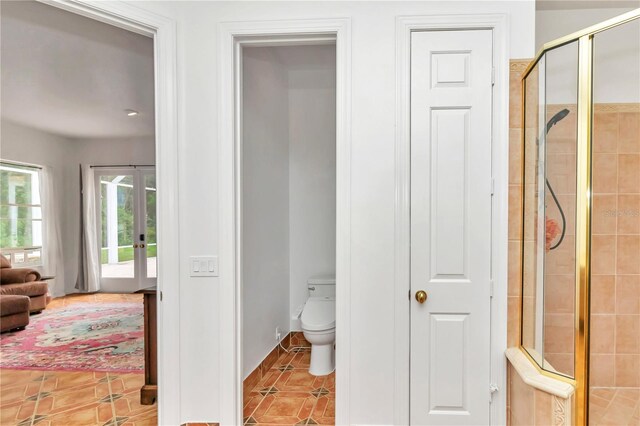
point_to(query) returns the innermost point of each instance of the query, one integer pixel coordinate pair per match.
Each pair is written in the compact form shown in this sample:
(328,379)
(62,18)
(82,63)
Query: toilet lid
(319,313)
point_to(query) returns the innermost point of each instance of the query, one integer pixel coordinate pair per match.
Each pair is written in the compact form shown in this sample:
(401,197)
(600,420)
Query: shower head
(556,118)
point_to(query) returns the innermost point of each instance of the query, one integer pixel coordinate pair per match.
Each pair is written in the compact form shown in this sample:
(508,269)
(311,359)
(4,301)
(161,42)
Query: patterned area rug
(79,337)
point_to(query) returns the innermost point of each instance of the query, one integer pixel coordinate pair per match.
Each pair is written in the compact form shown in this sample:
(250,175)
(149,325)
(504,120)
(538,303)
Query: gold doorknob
(135,245)
(141,245)
(421,296)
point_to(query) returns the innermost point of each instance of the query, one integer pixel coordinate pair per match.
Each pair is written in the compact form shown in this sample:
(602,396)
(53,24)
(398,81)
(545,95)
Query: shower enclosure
(581,217)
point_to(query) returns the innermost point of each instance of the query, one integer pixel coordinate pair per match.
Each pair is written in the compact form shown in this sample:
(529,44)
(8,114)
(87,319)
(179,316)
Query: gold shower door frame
(583,204)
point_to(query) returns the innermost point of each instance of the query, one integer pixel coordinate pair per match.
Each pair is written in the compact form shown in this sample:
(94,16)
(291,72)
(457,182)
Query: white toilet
(319,323)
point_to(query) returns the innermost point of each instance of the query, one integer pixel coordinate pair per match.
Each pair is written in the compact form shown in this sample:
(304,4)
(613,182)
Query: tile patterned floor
(49,398)
(289,395)
(614,406)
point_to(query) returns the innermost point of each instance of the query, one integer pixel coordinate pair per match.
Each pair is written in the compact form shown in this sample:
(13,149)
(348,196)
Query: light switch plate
(203,266)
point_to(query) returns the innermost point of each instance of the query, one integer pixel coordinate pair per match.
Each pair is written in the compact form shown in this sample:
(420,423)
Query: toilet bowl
(319,324)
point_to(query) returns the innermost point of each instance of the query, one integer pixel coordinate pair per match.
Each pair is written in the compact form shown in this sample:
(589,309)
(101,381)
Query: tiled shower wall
(615,334)
(615,261)
(615,258)
(560,264)
(525,405)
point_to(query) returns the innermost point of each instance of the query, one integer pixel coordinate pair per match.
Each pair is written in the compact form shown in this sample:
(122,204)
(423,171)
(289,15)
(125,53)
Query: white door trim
(232,36)
(163,32)
(498,23)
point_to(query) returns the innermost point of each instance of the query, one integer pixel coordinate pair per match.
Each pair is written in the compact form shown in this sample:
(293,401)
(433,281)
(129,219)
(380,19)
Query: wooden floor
(48,398)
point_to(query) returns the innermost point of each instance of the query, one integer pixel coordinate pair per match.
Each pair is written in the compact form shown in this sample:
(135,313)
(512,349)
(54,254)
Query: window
(20,214)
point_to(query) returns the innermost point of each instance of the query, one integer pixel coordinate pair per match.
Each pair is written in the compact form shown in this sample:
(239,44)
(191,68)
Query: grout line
(35,408)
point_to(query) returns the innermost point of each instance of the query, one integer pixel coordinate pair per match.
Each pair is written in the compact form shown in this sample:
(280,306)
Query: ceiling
(73,76)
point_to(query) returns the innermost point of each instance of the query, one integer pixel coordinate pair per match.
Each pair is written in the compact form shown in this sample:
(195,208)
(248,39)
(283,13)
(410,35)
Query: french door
(451,100)
(126,219)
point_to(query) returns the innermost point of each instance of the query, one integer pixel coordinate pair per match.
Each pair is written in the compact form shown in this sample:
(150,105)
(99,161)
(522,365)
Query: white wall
(25,144)
(616,55)
(312,183)
(265,204)
(373,121)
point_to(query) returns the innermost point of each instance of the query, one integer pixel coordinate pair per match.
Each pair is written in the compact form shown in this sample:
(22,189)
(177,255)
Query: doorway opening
(99,112)
(126,227)
(287,228)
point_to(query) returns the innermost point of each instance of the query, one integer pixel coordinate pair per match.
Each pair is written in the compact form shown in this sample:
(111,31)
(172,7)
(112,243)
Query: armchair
(23,282)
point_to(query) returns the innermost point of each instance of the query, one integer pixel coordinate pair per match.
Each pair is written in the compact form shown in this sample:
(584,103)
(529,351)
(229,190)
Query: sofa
(23,282)
(14,312)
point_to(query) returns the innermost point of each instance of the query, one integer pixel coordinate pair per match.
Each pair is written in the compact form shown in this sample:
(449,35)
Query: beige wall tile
(522,401)
(627,370)
(515,156)
(628,214)
(605,132)
(559,294)
(543,408)
(603,294)
(561,261)
(513,321)
(561,362)
(629,173)
(629,132)
(627,294)
(514,268)
(602,370)
(515,212)
(627,334)
(568,203)
(529,277)
(603,334)
(603,219)
(559,330)
(628,254)
(561,173)
(603,254)
(515,95)
(605,173)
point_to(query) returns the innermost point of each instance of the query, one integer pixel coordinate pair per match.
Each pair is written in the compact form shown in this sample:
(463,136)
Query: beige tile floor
(614,406)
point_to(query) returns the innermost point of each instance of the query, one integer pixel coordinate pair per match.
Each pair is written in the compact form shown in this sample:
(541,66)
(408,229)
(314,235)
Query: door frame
(232,36)
(405,25)
(163,32)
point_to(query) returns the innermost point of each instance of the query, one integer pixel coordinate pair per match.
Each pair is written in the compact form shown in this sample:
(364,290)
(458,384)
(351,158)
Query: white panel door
(451,102)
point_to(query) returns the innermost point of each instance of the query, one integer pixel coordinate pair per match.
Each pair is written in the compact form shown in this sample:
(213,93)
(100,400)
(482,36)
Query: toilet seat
(319,314)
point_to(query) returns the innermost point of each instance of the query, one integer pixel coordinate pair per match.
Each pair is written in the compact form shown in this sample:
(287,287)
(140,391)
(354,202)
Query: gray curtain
(88,260)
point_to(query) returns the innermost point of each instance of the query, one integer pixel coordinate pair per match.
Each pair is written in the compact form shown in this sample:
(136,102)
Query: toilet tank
(322,286)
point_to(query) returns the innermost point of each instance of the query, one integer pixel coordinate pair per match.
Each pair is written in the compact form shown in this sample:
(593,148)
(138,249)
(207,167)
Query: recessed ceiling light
(131,112)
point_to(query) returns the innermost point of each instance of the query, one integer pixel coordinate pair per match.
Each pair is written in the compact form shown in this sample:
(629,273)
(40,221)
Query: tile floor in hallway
(48,398)
(614,406)
(289,395)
